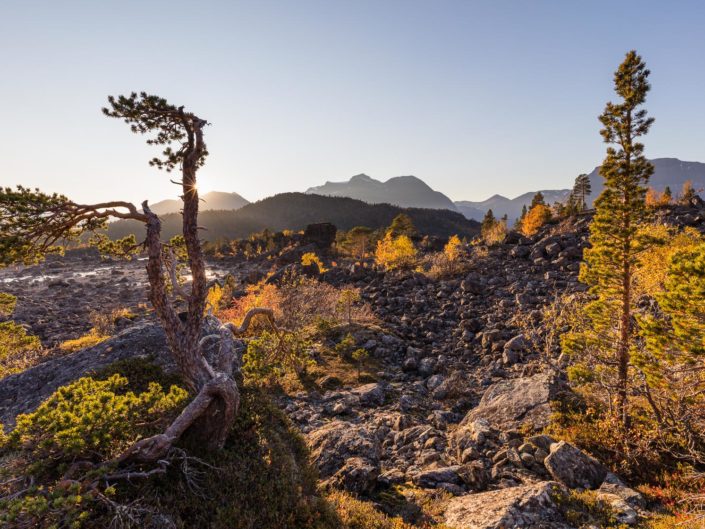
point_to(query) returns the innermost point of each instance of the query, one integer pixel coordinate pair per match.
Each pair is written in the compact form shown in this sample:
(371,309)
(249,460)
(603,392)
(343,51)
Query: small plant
(346,301)
(16,348)
(346,346)
(360,355)
(310,258)
(90,339)
(7,304)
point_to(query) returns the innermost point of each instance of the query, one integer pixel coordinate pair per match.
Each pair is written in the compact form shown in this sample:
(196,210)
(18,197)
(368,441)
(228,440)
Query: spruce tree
(581,190)
(402,225)
(538,199)
(488,222)
(609,264)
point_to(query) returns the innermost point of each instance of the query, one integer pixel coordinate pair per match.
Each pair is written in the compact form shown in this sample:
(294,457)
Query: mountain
(296,210)
(209,201)
(404,191)
(511,207)
(670,172)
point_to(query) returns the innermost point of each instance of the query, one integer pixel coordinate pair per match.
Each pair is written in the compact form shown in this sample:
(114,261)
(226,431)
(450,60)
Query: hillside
(404,191)
(296,210)
(214,200)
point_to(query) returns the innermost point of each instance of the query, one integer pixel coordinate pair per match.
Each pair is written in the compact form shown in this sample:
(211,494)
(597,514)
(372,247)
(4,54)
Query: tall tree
(402,225)
(33,223)
(537,199)
(610,263)
(581,190)
(488,221)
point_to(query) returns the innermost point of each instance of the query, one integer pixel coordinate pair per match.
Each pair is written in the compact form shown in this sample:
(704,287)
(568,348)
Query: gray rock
(371,395)
(431,478)
(573,467)
(511,404)
(346,453)
(523,507)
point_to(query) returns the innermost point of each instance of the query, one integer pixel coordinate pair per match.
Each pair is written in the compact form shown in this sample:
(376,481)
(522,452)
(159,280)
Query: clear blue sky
(473,97)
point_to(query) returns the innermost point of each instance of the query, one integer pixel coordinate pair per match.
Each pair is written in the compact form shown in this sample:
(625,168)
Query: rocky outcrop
(511,404)
(525,507)
(23,392)
(347,455)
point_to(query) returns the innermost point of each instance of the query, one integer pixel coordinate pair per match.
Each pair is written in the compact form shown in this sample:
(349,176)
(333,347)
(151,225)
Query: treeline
(294,211)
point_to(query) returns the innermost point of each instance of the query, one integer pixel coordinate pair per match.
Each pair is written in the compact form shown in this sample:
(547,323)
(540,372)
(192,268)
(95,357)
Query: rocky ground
(461,394)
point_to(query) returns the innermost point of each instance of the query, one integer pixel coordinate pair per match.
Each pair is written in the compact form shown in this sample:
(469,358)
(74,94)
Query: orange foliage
(537,216)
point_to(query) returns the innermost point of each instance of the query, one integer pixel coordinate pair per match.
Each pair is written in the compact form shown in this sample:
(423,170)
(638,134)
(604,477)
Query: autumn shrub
(496,233)
(536,218)
(273,354)
(395,252)
(310,258)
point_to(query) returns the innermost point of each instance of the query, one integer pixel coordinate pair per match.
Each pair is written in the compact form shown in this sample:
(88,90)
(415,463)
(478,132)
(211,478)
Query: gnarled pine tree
(33,223)
(609,263)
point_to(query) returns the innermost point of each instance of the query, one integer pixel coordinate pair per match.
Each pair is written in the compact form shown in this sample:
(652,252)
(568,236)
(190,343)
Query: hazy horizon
(474,98)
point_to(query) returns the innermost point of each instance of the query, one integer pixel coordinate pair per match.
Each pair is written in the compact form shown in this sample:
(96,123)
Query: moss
(140,372)
(582,509)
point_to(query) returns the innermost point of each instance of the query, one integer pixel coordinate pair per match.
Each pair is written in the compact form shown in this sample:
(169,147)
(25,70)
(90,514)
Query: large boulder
(528,506)
(346,454)
(573,467)
(510,404)
(321,234)
(25,391)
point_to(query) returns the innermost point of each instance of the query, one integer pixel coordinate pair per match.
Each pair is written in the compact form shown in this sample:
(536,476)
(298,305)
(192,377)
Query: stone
(523,507)
(371,395)
(357,475)
(474,475)
(573,467)
(516,403)
(431,478)
(346,453)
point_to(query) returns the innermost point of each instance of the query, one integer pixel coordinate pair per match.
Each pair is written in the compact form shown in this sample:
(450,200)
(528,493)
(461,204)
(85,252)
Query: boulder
(527,506)
(573,467)
(432,478)
(321,234)
(25,391)
(346,455)
(511,404)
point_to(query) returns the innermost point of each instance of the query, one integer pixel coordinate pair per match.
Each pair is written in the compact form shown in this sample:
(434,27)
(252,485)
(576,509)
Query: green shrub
(17,348)
(7,304)
(93,419)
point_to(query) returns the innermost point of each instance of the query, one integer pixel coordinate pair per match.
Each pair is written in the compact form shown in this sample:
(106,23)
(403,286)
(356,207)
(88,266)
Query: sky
(474,97)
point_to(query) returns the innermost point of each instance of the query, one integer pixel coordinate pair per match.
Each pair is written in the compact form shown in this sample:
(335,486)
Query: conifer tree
(667,195)
(488,221)
(402,225)
(581,190)
(615,242)
(538,199)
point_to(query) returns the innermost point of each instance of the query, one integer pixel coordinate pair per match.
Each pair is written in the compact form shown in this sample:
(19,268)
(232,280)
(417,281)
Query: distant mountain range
(296,210)
(670,172)
(511,207)
(213,200)
(412,192)
(404,191)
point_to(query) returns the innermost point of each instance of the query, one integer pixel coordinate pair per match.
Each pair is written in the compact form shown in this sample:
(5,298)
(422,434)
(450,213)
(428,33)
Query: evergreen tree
(581,190)
(488,222)
(402,225)
(667,195)
(615,243)
(538,199)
